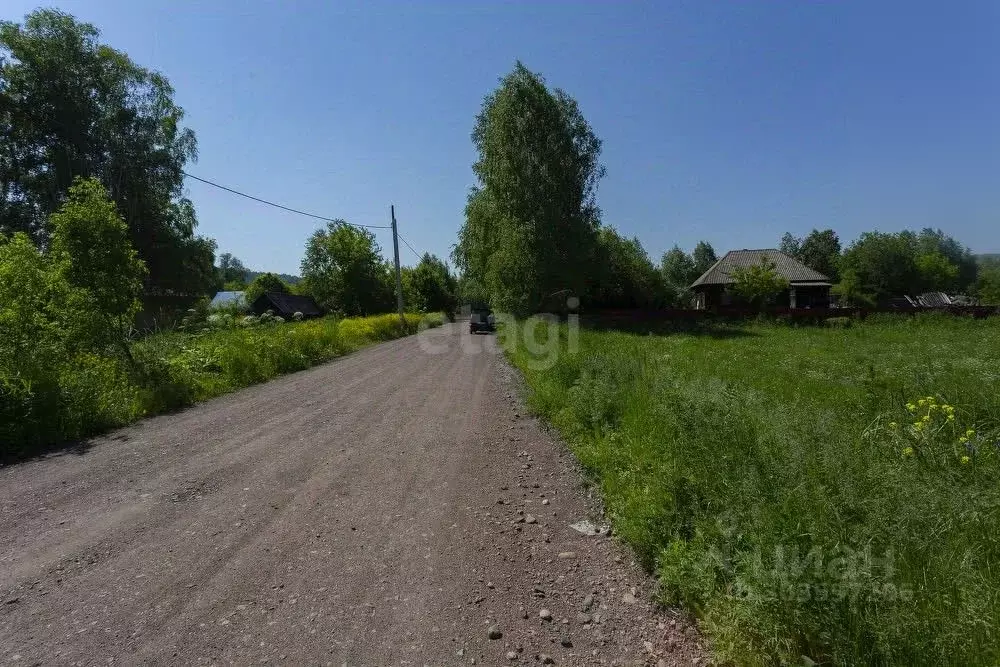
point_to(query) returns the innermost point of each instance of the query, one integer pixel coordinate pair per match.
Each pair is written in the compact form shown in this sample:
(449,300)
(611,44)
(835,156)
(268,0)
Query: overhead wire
(406,243)
(281,206)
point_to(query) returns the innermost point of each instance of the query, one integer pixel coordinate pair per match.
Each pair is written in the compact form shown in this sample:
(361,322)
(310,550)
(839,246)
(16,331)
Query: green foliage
(886,265)
(704,257)
(851,291)
(90,246)
(344,271)
(430,287)
(531,222)
(265,282)
(766,476)
(760,283)
(71,106)
(820,251)
(624,276)
(55,395)
(59,312)
(936,272)
(988,285)
(680,270)
(232,275)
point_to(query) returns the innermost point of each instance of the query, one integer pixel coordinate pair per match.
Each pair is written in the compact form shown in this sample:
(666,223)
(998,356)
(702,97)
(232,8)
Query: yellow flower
(918,425)
(922,402)
(930,399)
(893,425)
(963,440)
(911,407)
(925,418)
(951,417)
(969,433)
(965,460)
(950,410)
(908,451)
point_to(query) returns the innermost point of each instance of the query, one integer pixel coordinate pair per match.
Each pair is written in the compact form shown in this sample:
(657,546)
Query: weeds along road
(370,511)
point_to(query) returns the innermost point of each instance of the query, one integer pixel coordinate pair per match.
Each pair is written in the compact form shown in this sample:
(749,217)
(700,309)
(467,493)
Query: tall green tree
(431,286)
(882,265)
(704,257)
(232,274)
(679,271)
(679,268)
(90,246)
(887,265)
(71,106)
(532,219)
(819,250)
(344,270)
(931,241)
(265,282)
(790,244)
(624,276)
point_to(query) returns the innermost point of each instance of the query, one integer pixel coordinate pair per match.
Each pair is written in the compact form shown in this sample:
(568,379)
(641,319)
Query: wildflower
(949,409)
(969,433)
(925,418)
(963,440)
(922,402)
(908,451)
(911,407)
(918,425)
(951,417)
(930,399)
(965,460)
(893,425)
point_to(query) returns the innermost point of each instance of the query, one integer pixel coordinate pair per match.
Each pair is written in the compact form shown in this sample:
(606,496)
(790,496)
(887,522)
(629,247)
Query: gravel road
(393,507)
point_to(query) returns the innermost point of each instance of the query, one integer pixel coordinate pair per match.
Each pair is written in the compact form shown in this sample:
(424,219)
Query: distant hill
(291,280)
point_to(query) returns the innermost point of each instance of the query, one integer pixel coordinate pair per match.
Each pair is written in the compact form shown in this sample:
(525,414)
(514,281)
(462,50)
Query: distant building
(806,288)
(225,299)
(285,305)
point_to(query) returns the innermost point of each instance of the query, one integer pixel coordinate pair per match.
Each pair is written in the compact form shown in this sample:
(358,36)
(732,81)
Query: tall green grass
(171,370)
(766,475)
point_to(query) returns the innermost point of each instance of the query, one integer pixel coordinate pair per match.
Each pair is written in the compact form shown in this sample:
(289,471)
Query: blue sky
(727,121)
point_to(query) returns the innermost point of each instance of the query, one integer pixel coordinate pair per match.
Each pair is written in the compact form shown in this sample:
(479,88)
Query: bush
(45,399)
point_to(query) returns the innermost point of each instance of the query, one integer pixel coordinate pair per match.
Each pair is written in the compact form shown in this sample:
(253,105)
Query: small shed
(286,305)
(806,288)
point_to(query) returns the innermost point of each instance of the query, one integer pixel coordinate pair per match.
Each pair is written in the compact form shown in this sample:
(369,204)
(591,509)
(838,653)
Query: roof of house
(226,298)
(288,304)
(934,299)
(789,268)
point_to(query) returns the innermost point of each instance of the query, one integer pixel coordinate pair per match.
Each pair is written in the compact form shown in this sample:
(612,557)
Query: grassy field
(92,393)
(827,495)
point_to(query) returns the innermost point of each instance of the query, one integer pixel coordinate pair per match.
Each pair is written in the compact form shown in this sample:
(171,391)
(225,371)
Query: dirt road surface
(370,511)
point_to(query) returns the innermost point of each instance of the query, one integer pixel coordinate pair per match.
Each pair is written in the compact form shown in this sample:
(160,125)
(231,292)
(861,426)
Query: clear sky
(727,121)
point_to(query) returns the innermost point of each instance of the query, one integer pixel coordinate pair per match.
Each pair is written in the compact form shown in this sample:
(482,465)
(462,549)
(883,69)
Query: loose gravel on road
(393,507)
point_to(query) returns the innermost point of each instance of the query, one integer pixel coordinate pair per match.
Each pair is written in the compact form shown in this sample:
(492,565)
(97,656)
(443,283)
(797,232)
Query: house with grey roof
(806,288)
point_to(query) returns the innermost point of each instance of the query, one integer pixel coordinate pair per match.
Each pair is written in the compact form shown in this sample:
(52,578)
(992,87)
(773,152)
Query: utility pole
(395,253)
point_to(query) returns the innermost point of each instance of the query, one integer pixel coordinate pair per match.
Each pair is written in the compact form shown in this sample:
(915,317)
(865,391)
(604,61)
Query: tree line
(533,230)
(72,107)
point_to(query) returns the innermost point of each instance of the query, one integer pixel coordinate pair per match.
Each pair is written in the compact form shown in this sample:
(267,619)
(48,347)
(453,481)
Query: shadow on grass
(718,329)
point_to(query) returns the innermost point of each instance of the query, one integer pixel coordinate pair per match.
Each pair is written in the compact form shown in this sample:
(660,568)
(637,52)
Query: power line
(419,256)
(286,208)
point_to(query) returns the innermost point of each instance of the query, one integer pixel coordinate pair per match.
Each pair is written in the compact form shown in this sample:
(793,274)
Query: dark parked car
(481,319)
